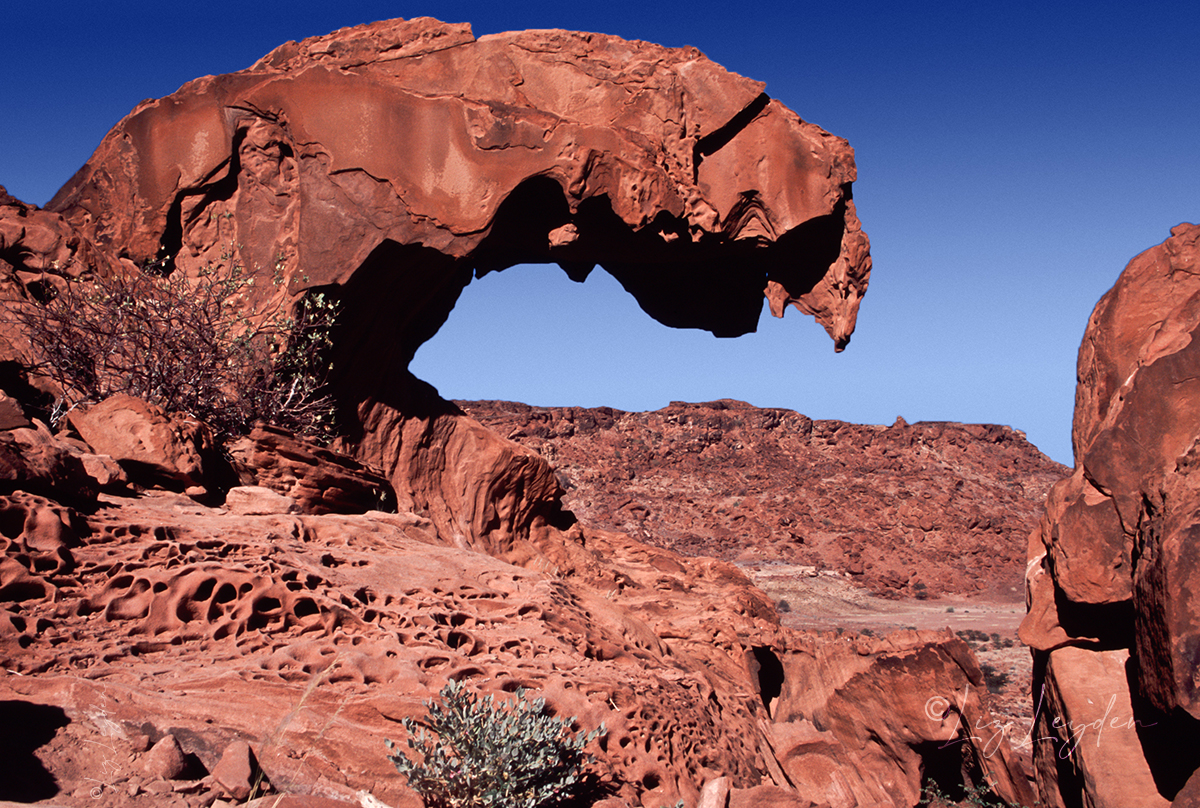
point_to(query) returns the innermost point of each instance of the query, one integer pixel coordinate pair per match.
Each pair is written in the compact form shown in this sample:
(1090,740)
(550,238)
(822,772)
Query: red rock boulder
(1112,566)
(317,479)
(154,447)
(32,459)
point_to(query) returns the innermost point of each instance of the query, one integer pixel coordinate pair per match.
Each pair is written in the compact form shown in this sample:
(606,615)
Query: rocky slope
(920,510)
(158,651)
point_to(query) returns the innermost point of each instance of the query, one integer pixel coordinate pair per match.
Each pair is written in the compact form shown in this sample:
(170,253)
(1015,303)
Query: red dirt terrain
(923,510)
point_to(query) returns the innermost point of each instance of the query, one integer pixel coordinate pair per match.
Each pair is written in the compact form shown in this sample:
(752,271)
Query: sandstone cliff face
(916,509)
(1112,564)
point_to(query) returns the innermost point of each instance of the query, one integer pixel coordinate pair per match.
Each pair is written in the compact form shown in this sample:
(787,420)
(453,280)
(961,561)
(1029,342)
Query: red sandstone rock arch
(394,162)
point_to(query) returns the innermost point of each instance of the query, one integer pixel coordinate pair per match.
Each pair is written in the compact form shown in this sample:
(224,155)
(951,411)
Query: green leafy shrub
(483,754)
(187,344)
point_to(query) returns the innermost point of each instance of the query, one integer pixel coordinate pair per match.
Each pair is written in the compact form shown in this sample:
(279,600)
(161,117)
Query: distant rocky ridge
(919,510)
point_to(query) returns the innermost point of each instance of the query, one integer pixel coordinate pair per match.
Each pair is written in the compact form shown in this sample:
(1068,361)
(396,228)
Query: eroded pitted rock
(36,537)
(321,632)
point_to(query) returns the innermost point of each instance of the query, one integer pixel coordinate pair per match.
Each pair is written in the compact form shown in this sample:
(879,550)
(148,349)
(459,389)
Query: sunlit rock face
(684,180)
(394,162)
(1112,567)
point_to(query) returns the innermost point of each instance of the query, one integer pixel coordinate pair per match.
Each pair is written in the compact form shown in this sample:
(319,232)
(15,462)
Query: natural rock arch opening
(710,283)
(406,292)
(394,178)
(402,294)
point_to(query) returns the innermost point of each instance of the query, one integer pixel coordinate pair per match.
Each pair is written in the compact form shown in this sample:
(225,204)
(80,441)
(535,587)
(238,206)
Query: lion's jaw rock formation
(685,181)
(1112,566)
(396,160)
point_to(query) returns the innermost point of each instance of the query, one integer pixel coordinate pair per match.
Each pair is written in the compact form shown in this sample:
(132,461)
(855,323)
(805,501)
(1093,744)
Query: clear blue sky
(1012,158)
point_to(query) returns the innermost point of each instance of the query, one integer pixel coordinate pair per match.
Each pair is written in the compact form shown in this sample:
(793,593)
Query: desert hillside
(918,510)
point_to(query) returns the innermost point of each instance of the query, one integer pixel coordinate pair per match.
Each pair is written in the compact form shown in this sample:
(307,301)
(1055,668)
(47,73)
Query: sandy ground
(831,601)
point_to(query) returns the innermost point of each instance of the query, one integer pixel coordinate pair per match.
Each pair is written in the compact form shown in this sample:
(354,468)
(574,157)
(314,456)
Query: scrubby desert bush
(975,638)
(188,344)
(994,678)
(482,753)
(971,796)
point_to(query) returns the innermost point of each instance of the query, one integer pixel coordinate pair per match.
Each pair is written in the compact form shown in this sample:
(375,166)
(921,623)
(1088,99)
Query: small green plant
(483,754)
